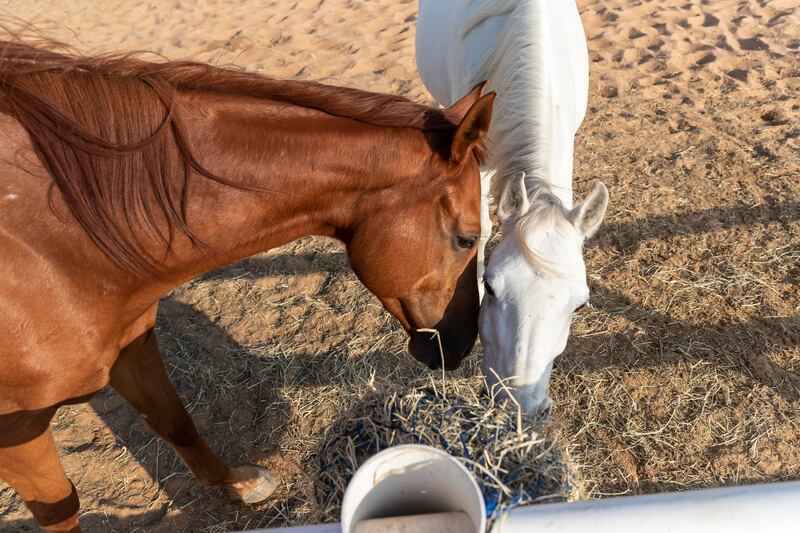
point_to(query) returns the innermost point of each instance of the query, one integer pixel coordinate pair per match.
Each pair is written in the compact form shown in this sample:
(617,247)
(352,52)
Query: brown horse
(121,178)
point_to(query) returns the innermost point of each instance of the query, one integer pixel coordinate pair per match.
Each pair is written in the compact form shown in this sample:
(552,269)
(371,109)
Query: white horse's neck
(531,62)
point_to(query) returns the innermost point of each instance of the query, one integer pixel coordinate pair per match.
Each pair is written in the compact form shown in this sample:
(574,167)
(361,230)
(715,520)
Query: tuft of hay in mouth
(511,457)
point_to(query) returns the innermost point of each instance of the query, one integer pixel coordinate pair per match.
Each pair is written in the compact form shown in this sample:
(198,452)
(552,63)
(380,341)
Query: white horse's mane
(517,63)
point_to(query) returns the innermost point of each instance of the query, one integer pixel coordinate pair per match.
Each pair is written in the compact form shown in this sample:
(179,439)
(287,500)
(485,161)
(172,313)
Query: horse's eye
(488,288)
(466,242)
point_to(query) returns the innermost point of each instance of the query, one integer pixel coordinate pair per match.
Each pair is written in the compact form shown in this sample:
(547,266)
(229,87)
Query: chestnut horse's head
(416,251)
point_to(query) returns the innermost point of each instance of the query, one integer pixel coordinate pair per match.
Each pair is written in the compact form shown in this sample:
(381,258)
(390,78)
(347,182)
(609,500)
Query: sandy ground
(685,373)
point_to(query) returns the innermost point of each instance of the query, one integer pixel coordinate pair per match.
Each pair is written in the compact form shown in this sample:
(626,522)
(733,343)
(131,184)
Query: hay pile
(512,459)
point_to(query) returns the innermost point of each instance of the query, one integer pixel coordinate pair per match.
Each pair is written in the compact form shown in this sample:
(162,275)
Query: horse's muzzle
(426,346)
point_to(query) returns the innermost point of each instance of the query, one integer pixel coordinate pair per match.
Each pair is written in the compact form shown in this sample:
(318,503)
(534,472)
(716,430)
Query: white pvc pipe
(404,480)
(412,479)
(752,509)
(749,509)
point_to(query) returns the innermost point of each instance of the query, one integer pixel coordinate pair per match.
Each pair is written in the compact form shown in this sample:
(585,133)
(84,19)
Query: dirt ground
(685,374)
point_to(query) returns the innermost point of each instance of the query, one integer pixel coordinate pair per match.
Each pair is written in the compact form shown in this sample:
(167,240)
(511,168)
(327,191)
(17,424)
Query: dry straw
(511,457)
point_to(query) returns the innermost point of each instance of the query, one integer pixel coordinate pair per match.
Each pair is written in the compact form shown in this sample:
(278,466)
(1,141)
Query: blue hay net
(375,431)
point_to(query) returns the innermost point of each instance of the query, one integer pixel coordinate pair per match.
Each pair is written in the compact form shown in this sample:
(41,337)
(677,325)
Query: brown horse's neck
(324,169)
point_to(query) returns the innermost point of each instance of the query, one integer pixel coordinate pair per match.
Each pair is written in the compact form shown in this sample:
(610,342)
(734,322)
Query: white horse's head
(535,281)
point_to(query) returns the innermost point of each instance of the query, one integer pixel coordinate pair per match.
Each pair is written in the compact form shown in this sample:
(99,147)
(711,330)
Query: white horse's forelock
(546,213)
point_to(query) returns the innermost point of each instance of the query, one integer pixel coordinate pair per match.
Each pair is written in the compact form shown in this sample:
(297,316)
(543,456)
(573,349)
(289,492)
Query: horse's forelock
(546,212)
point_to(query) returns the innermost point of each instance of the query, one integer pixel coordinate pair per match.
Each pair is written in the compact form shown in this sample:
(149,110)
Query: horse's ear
(458,110)
(472,128)
(588,215)
(513,201)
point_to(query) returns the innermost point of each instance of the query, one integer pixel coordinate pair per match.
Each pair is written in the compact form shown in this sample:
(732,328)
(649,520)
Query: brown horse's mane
(109,133)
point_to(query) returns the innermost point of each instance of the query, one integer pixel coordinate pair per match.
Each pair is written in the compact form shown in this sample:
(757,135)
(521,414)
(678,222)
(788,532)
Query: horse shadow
(626,235)
(285,264)
(743,344)
(233,399)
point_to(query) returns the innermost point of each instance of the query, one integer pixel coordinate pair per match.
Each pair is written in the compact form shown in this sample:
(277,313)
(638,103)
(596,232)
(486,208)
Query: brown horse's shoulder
(63,316)
(45,363)
(60,337)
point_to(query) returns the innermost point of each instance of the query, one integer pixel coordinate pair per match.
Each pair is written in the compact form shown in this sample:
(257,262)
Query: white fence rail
(773,507)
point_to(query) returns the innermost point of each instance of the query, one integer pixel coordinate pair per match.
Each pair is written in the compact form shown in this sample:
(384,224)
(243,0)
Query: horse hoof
(257,484)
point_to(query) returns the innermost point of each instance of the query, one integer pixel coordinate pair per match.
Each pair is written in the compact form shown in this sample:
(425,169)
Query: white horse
(533,52)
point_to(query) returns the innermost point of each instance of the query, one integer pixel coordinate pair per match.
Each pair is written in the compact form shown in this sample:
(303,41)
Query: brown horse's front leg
(35,472)
(139,376)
